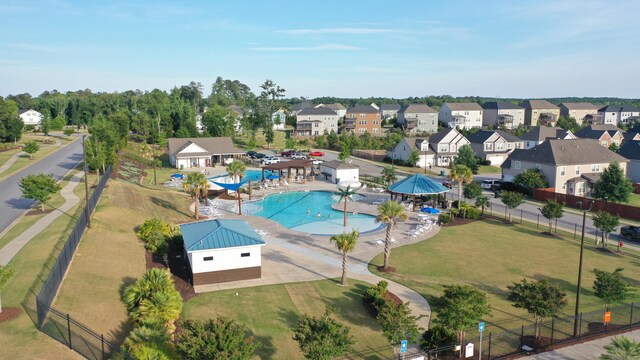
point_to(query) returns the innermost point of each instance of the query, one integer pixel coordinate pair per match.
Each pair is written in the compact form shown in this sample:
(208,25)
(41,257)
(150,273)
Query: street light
(584,220)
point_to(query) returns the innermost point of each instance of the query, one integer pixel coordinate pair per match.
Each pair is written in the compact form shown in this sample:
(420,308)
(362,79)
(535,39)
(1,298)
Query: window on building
(362,131)
(363,122)
(595,168)
(488,146)
(577,169)
(500,146)
(316,124)
(518,165)
(376,122)
(245,254)
(564,186)
(375,130)
(208,258)
(352,116)
(563,170)
(363,115)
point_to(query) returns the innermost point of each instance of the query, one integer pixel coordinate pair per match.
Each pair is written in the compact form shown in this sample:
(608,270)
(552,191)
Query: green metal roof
(417,184)
(219,234)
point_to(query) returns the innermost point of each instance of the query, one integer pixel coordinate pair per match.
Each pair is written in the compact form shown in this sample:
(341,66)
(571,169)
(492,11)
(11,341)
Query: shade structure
(417,184)
(231,186)
(430,210)
(354,184)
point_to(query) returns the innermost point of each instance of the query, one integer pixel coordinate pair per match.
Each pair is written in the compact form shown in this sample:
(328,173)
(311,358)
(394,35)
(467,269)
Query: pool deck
(293,256)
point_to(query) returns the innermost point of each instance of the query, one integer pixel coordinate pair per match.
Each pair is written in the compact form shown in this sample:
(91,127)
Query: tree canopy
(610,287)
(39,187)
(219,338)
(467,157)
(540,298)
(322,337)
(551,211)
(613,185)
(531,178)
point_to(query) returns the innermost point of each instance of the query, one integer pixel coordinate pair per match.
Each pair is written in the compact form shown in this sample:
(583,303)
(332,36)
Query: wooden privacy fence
(375,155)
(622,210)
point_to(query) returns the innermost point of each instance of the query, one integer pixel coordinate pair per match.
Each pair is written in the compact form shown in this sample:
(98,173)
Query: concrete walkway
(585,351)
(12,248)
(11,161)
(293,256)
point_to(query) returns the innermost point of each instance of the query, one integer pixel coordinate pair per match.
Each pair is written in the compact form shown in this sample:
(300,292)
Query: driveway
(59,163)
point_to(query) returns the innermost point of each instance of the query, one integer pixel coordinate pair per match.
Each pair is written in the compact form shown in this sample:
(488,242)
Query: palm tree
(462,175)
(163,306)
(154,280)
(622,348)
(345,243)
(345,195)
(390,213)
(482,202)
(194,185)
(236,170)
(389,174)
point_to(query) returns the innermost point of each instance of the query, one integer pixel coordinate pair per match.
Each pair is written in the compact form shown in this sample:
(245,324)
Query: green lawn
(635,200)
(278,142)
(24,160)
(272,311)
(489,169)
(491,255)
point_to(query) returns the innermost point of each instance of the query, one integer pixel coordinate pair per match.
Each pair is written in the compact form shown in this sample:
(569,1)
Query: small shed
(337,171)
(222,251)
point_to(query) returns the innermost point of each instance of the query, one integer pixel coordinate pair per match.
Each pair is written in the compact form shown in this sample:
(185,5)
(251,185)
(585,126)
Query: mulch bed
(179,268)
(371,309)
(546,233)
(389,269)
(38,212)
(10,313)
(458,222)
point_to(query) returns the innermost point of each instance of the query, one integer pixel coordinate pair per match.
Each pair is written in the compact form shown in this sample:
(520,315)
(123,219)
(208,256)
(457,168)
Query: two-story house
(570,166)
(537,135)
(295,109)
(606,135)
(418,118)
(338,108)
(314,121)
(502,113)
(403,150)
(30,117)
(389,111)
(363,118)
(494,145)
(583,113)
(461,115)
(540,112)
(618,115)
(445,145)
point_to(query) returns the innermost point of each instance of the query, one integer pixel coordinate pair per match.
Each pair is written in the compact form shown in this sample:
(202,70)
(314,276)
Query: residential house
(338,108)
(570,166)
(461,115)
(279,120)
(445,145)
(540,112)
(606,135)
(494,145)
(295,109)
(388,111)
(222,251)
(337,171)
(200,152)
(362,119)
(404,148)
(583,113)
(418,118)
(502,113)
(618,115)
(239,114)
(630,150)
(31,117)
(314,121)
(537,135)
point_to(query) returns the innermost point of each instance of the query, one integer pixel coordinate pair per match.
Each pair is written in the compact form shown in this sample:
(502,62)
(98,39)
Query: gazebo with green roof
(417,185)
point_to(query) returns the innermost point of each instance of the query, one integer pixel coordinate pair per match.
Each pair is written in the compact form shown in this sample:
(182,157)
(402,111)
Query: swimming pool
(253,175)
(310,212)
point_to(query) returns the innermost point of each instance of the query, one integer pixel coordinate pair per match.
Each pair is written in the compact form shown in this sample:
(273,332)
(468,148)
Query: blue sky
(342,48)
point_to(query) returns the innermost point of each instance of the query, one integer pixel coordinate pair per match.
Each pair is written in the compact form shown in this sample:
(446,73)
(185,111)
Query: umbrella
(430,210)
(177,176)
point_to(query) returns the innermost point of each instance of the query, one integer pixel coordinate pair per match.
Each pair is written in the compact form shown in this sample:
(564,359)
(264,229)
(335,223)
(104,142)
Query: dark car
(447,184)
(286,153)
(251,153)
(259,156)
(630,232)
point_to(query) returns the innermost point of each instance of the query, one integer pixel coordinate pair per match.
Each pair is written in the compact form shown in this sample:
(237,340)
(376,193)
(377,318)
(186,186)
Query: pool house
(287,166)
(416,186)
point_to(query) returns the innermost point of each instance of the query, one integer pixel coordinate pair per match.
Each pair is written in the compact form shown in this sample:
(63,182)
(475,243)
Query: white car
(269,160)
(298,156)
(317,161)
(490,184)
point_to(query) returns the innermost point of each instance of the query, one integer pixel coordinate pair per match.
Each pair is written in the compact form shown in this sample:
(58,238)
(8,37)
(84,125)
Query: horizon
(502,50)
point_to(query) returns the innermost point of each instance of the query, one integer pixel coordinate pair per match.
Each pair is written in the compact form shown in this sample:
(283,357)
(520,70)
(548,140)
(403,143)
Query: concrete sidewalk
(12,248)
(11,161)
(586,351)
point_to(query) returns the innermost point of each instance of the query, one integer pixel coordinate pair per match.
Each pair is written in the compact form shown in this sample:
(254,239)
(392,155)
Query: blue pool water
(299,211)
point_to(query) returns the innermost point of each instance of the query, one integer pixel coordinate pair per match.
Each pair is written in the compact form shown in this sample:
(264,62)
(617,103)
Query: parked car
(447,184)
(259,156)
(298,156)
(286,153)
(490,184)
(317,161)
(251,154)
(630,232)
(267,160)
(316,153)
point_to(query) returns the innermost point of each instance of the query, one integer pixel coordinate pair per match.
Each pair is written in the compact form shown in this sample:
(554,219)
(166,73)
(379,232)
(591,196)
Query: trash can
(181,166)
(442,173)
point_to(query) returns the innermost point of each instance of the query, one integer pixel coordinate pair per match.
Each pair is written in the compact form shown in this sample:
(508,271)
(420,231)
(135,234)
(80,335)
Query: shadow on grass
(167,205)
(266,349)
(353,314)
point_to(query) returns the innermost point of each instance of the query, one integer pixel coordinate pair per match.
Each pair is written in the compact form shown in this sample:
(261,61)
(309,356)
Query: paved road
(12,205)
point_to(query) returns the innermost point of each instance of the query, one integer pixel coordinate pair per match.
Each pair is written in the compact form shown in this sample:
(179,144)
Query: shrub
(69,131)
(155,233)
(473,213)
(374,297)
(445,219)
(437,336)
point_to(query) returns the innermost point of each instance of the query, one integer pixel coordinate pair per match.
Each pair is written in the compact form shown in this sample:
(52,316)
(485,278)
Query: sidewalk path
(585,351)
(10,162)
(12,248)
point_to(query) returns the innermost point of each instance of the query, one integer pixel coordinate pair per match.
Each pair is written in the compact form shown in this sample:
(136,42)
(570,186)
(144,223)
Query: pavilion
(288,166)
(417,185)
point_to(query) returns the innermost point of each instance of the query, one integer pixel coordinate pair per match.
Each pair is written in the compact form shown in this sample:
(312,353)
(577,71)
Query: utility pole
(86,181)
(577,313)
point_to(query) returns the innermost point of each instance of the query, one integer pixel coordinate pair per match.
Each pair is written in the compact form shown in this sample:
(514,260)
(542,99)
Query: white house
(30,117)
(315,121)
(222,251)
(403,150)
(337,171)
(539,134)
(200,152)
(337,107)
(617,115)
(461,115)
(446,144)
(279,119)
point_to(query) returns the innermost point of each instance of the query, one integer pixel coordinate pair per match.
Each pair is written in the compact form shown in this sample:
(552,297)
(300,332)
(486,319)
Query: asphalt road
(59,163)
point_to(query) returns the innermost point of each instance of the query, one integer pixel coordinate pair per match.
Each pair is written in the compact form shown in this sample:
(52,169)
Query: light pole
(85,168)
(584,220)
(425,163)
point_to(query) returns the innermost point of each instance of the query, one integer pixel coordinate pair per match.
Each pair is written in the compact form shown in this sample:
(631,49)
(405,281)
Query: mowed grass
(110,255)
(24,160)
(488,169)
(278,141)
(272,312)
(491,255)
(634,200)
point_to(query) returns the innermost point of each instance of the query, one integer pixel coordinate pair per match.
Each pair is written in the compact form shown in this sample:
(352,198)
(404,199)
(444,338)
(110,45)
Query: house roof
(390,107)
(619,108)
(418,184)
(568,152)
(464,106)
(541,133)
(538,104)
(481,136)
(317,111)
(336,106)
(437,137)
(367,109)
(415,143)
(214,145)
(630,150)
(219,234)
(579,106)
(501,105)
(237,109)
(596,131)
(336,164)
(417,108)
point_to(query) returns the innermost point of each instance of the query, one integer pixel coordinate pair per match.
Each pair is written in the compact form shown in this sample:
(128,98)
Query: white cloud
(323,47)
(339,30)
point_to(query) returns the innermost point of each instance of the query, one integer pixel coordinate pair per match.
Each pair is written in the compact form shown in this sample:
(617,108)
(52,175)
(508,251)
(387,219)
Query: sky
(523,48)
